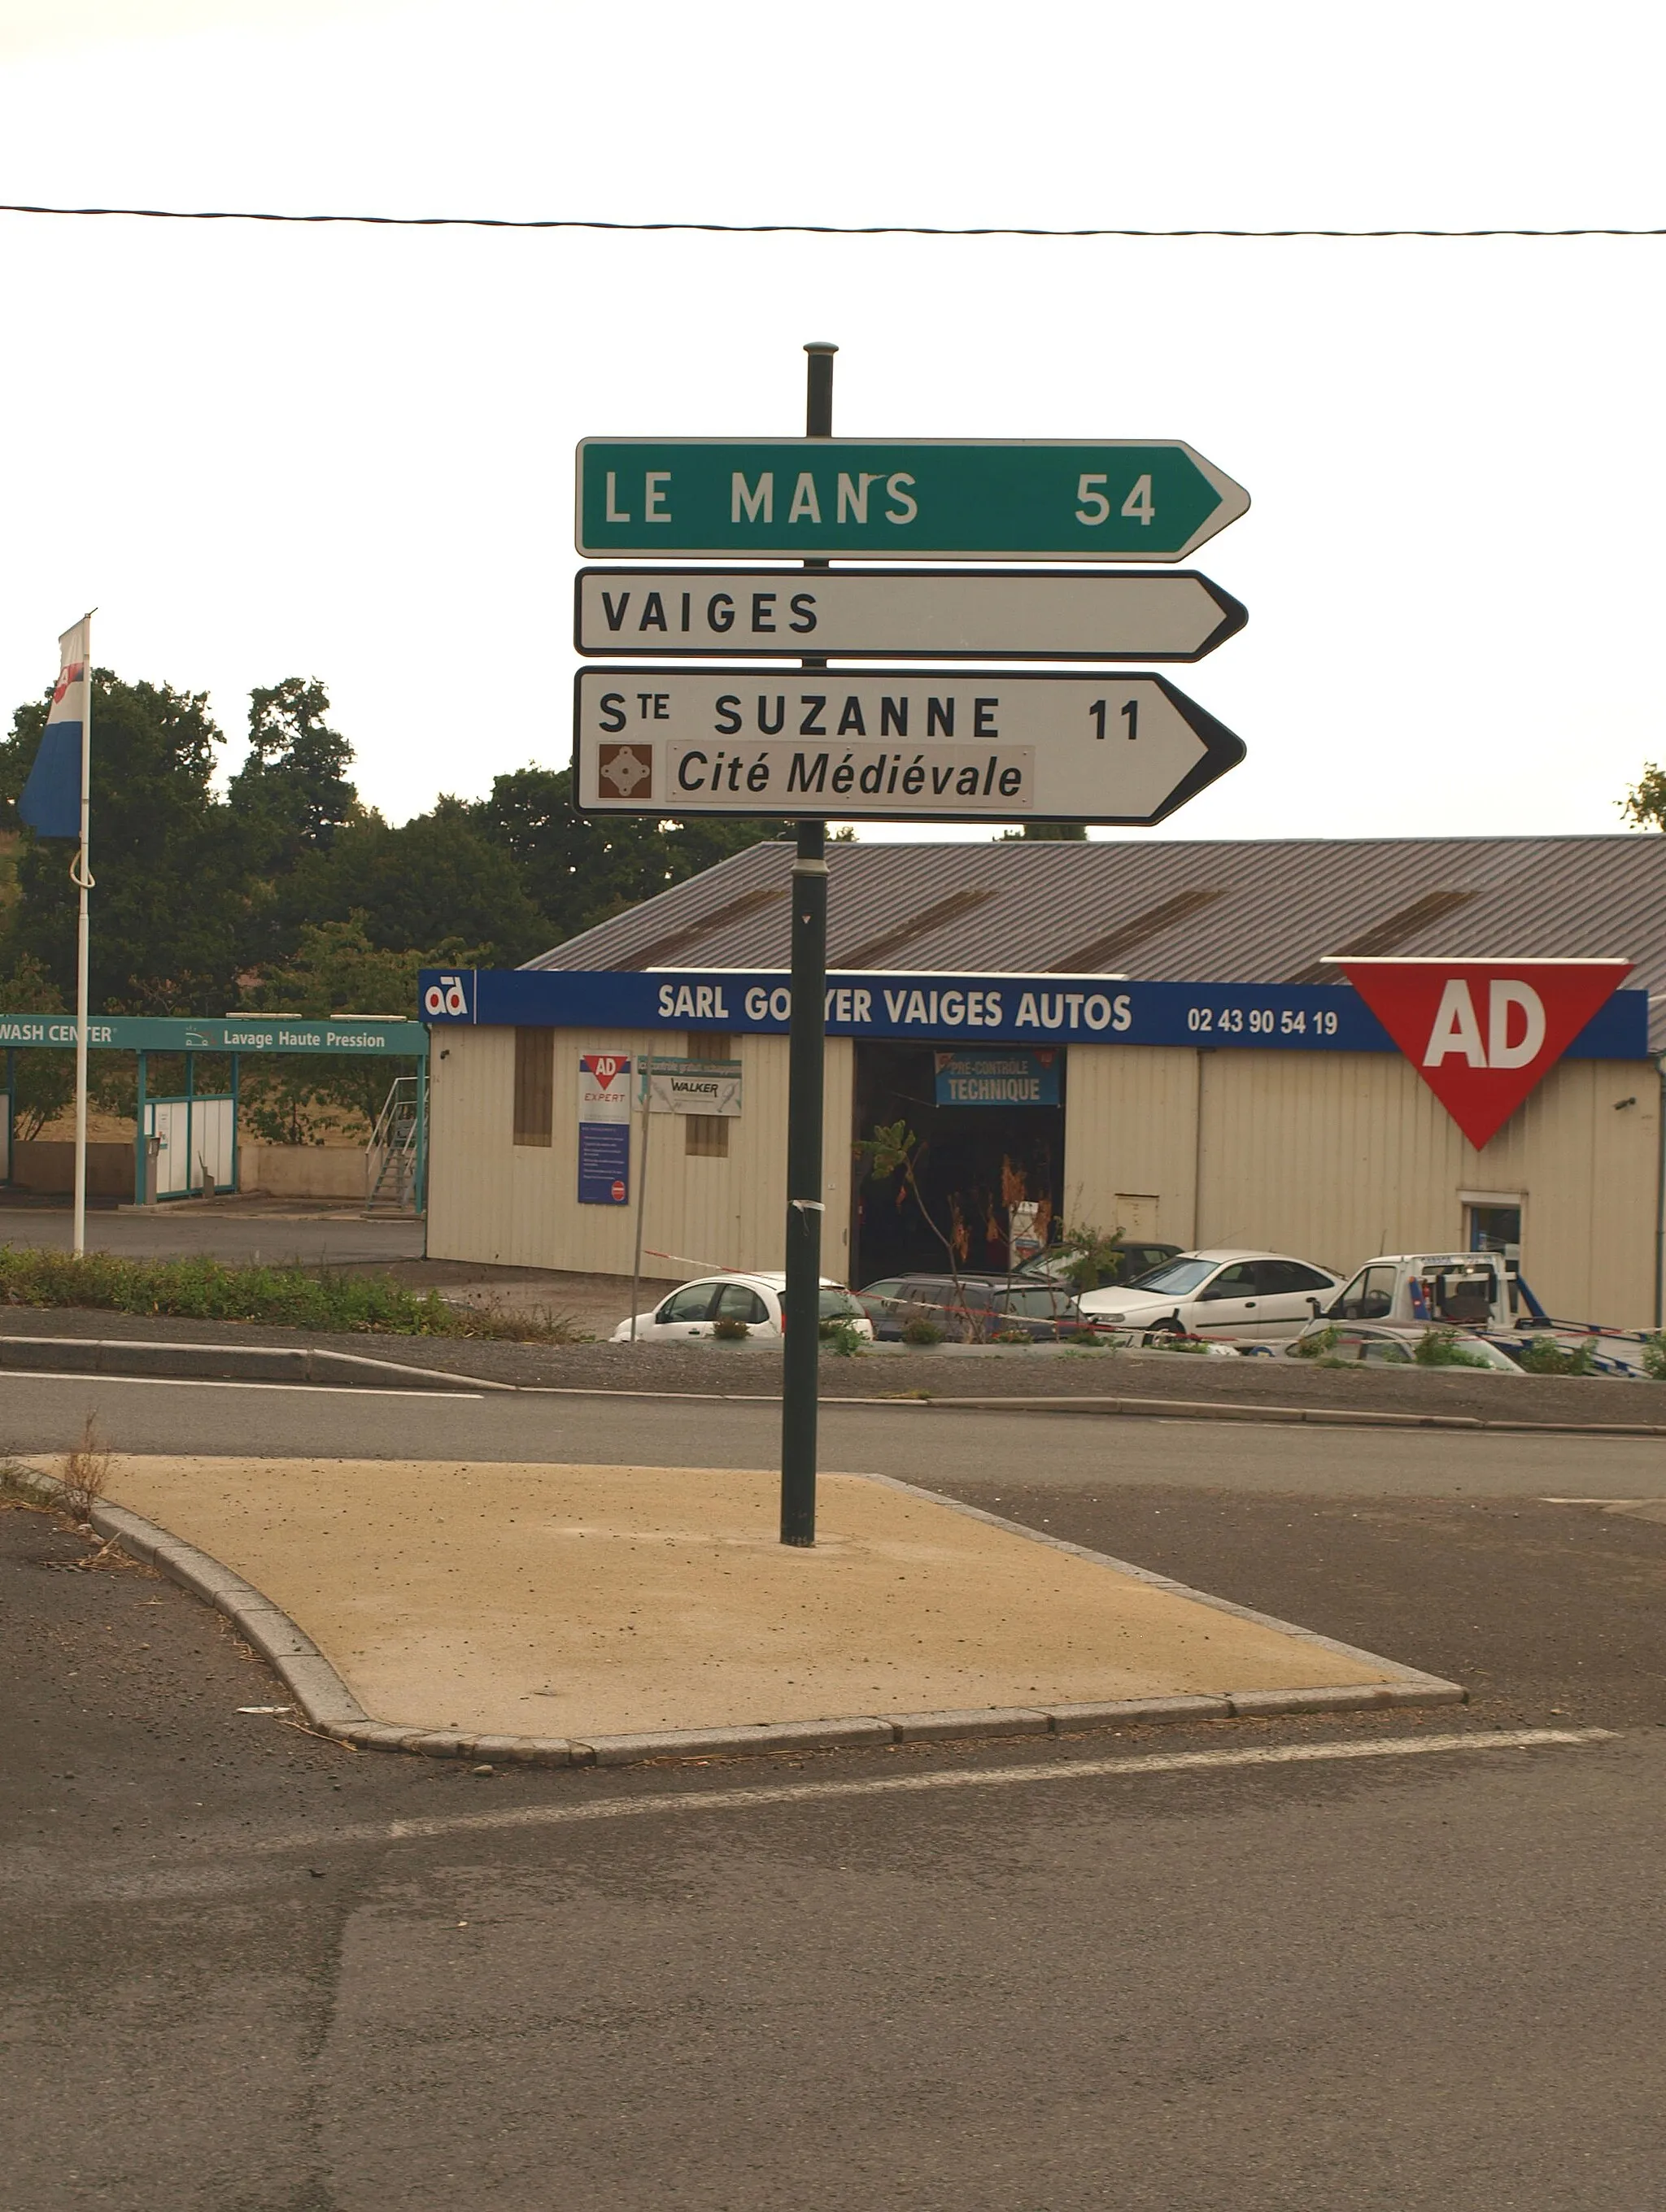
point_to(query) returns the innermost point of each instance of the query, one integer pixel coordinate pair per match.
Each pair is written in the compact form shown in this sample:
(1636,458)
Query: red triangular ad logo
(1483,1033)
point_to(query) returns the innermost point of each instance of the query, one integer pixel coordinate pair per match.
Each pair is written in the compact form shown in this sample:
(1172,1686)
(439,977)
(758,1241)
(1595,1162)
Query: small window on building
(706,1136)
(1495,1229)
(535,1086)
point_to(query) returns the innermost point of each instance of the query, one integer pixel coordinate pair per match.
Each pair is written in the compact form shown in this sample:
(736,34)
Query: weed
(729,1329)
(84,1472)
(919,1328)
(842,1336)
(20,1485)
(1319,1345)
(1654,1358)
(1012,1336)
(1439,1347)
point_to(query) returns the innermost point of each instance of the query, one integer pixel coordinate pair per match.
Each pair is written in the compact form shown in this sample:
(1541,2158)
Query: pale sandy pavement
(566,1600)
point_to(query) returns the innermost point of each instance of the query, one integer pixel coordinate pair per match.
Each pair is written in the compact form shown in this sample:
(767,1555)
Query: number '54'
(1096,507)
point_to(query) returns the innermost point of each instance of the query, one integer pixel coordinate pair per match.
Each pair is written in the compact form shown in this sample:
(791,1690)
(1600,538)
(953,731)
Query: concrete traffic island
(582,1614)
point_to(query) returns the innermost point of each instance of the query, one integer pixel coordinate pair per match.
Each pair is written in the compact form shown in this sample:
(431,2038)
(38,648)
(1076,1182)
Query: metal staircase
(391,1157)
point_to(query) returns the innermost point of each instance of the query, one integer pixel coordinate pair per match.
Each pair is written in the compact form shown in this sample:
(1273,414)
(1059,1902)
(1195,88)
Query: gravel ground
(944,1371)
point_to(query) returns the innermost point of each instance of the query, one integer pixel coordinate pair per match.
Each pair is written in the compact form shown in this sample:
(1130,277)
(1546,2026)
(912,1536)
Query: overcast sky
(348,453)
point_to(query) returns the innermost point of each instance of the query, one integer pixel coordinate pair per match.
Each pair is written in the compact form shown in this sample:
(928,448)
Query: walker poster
(604,1128)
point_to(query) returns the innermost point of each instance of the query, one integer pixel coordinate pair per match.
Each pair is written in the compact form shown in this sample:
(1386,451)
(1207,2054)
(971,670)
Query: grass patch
(294,1298)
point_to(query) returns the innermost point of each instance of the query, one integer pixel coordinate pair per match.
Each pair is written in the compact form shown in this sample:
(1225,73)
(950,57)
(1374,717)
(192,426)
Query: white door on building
(196,1133)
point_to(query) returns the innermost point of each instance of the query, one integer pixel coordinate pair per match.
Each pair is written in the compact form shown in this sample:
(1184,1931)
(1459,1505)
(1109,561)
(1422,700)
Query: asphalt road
(277,1238)
(916,1443)
(250,1972)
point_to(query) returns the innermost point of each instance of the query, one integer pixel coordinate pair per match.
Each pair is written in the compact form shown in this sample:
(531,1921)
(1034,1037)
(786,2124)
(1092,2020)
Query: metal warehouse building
(1139,1034)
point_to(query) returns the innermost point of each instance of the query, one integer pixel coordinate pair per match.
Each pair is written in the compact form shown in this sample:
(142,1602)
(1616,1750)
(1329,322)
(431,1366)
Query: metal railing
(392,1157)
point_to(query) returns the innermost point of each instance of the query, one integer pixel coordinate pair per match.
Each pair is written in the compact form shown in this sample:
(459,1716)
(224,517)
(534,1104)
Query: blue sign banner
(998,1078)
(604,1128)
(969,1009)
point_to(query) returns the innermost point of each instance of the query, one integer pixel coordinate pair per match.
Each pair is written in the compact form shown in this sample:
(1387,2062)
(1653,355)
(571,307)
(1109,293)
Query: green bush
(1012,1336)
(842,1335)
(208,1290)
(1549,1359)
(921,1329)
(1439,1347)
(1654,1358)
(1317,1346)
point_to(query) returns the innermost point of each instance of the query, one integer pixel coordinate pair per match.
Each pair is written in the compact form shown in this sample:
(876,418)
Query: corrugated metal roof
(1253,912)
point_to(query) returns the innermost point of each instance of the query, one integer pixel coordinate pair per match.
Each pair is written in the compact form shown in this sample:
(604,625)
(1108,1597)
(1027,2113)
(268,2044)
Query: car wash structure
(186,1138)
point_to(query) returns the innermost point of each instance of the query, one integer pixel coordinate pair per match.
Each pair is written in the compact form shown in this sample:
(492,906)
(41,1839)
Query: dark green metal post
(802,1348)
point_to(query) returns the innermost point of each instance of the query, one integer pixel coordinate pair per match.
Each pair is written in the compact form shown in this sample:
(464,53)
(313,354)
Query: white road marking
(1134,1769)
(213,1383)
(36,1866)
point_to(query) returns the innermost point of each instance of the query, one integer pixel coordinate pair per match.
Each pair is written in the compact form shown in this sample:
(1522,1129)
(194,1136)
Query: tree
(436,884)
(293,790)
(579,869)
(170,866)
(292,1098)
(1045,833)
(1645,803)
(42,1081)
(893,1152)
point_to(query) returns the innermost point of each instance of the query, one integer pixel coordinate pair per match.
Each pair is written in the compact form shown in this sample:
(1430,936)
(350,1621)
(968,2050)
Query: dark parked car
(980,1310)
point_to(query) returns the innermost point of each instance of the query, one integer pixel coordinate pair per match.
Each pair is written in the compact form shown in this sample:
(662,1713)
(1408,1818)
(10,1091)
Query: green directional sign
(918,499)
(376,1034)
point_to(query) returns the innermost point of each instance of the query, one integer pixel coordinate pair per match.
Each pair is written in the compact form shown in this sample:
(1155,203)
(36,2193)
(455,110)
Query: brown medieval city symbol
(626,771)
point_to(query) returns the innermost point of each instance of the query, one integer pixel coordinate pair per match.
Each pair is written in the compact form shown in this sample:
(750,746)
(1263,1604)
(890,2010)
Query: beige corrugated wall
(513,1204)
(1334,1155)
(1338,1156)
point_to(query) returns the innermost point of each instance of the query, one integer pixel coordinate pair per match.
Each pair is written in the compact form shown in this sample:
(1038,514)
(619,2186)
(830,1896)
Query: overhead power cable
(807,229)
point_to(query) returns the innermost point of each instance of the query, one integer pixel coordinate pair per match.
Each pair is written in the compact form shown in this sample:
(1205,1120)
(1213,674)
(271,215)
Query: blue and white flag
(50,802)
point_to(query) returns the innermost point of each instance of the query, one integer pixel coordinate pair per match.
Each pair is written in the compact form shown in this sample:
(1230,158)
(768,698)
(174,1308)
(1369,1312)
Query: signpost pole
(646,1063)
(801,1343)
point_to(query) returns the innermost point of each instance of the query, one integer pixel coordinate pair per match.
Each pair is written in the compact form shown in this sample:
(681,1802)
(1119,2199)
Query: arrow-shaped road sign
(879,614)
(911,745)
(891,499)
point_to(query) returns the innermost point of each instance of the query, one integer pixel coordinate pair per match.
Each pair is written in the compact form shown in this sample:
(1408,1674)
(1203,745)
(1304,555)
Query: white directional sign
(883,613)
(904,745)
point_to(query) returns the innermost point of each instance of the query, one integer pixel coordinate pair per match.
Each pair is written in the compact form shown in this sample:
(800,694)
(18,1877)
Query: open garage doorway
(991,1124)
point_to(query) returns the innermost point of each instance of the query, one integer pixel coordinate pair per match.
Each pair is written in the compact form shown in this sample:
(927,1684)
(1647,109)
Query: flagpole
(84,883)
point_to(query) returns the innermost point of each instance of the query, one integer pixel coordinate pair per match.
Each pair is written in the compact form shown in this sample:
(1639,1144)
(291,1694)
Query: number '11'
(1130,711)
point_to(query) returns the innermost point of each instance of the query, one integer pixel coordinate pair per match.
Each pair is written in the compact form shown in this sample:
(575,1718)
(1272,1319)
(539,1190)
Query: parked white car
(755,1300)
(1264,1296)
